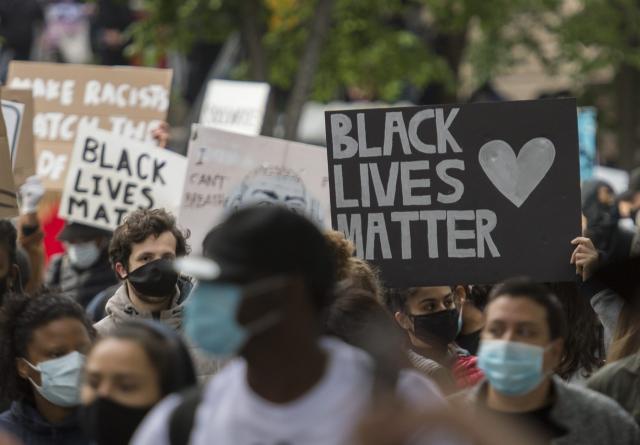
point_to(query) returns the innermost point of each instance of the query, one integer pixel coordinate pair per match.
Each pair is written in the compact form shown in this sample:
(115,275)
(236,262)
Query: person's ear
(121,271)
(23,368)
(554,352)
(404,321)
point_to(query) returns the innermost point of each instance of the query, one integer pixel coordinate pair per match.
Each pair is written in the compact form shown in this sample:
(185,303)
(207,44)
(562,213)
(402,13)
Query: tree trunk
(627,92)
(252,36)
(308,64)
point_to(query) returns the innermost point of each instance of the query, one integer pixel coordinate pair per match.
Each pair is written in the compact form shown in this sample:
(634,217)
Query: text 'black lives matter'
(455,194)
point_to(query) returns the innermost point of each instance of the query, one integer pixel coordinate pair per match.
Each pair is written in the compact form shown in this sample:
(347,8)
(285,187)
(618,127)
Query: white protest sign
(235,106)
(111,176)
(618,179)
(13,113)
(228,170)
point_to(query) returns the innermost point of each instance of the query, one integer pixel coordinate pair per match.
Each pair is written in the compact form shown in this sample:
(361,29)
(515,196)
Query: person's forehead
(118,356)
(516,309)
(59,330)
(165,242)
(435,292)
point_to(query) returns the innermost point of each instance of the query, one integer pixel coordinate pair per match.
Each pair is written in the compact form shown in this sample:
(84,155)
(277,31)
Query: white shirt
(231,413)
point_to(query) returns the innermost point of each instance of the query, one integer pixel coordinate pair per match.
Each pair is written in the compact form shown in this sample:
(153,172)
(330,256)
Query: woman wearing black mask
(126,374)
(430,317)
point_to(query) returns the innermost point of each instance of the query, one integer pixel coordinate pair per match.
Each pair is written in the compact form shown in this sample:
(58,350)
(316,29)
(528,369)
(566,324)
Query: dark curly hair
(8,237)
(20,317)
(137,227)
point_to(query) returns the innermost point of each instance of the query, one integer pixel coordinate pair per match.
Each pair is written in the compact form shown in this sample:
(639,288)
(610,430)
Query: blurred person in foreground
(43,342)
(265,280)
(126,374)
(522,344)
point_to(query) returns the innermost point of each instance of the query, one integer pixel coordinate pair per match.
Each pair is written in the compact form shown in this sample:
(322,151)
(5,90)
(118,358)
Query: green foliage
(381,46)
(603,33)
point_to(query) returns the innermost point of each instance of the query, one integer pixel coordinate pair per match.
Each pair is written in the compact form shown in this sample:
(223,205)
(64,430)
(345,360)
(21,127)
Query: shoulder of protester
(625,371)
(572,407)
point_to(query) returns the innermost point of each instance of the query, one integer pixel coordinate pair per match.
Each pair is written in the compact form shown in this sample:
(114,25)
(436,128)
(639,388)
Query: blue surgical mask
(512,368)
(60,378)
(211,319)
(83,255)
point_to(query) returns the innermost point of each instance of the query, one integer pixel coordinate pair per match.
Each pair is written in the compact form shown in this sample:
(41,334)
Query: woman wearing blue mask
(43,342)
(521,347)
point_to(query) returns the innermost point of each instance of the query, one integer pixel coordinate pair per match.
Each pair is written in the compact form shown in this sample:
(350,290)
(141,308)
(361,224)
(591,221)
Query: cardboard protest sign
(13,113)
(127,101)
(8,201)
(111,176)
(24,162)
(587,138)
(235,106)
(229,170)
(458,194)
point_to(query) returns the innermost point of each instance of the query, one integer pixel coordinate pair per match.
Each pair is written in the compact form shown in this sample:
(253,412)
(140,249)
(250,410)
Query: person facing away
(126,374)
(522,344)
(43,342)
(142,252)
(620,378)
(83,270)
(267,276)
(430,318)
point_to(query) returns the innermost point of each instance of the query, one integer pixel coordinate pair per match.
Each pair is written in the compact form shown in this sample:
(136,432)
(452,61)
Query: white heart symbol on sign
(517,177)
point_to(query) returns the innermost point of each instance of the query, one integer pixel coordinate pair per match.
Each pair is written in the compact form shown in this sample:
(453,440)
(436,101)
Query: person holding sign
(141,252)
(522,344)
(430,316)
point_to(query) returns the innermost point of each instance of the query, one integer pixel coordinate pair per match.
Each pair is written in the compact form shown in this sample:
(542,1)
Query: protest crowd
(437,274)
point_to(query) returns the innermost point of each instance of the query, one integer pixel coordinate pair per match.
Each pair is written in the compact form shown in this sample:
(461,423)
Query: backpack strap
(183,416)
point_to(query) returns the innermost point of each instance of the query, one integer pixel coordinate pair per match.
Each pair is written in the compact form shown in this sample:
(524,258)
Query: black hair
(479,295)
(8,239)
(395,299)
(360,320)
(539,294)
(584,344)
(165,350)
(21,315)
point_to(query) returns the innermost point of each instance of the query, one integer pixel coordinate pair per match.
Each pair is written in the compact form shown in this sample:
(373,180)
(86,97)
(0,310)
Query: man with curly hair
(141,253)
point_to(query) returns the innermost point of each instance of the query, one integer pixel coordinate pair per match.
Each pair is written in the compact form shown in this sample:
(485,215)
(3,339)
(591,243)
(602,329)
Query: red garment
(466,372)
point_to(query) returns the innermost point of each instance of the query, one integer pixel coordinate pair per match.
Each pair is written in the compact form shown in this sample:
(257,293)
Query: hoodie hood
(120,308)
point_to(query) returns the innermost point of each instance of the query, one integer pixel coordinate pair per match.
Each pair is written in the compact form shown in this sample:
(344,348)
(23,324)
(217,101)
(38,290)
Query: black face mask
(107,422)
(156,279)
(440,328)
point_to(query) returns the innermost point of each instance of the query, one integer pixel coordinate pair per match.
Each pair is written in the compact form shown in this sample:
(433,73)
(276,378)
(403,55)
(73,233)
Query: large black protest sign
(458,193)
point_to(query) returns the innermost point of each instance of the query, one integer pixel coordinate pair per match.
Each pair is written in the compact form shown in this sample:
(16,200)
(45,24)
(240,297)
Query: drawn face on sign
(273,185)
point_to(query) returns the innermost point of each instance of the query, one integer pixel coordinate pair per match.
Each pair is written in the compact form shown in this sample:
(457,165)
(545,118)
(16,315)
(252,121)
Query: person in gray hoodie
(141,253)
(521,346)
